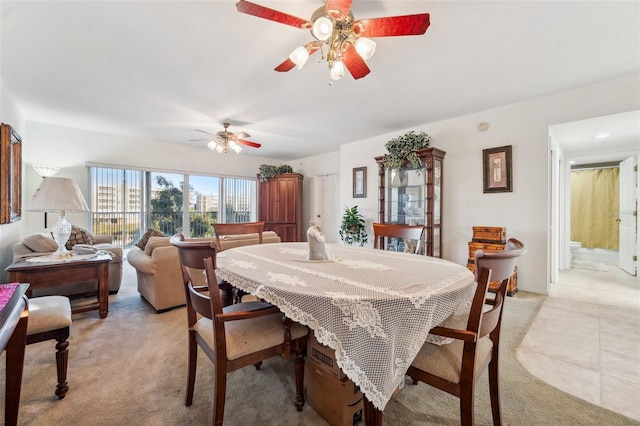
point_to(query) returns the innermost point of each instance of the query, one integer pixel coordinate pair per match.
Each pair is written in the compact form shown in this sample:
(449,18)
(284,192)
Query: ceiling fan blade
(395,25)
(199,140)
(248,143)
(270,14)
(342,5)
(288,64)
(212,134)
(354,62)
(240,135)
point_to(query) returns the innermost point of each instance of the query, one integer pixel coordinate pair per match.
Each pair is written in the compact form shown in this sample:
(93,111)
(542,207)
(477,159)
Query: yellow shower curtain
(594,207)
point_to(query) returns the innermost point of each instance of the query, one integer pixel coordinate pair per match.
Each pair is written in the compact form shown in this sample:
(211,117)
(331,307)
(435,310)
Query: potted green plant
(352,227)
(402,150)
(267,171)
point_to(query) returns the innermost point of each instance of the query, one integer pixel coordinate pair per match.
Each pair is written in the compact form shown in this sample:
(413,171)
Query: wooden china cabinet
(280,206)
(413,196)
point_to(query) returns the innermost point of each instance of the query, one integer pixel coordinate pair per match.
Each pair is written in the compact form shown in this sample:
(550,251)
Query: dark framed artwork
(360,182)
(497,169)
(10,175)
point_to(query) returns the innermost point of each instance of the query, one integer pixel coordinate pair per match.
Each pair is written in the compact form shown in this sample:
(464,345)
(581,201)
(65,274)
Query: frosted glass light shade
(322,28)
(365,47)
(45,171)
(299,56)
(337,71)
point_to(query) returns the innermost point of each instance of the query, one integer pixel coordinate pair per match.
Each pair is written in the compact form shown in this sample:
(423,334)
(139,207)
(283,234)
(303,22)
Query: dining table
(373,307)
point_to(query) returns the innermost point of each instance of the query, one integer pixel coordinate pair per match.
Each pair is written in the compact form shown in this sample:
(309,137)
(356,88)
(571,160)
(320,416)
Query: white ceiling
(159,69)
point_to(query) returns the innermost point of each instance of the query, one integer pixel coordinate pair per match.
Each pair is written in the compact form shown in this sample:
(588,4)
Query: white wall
(312,168)
(12,232)
(525,211)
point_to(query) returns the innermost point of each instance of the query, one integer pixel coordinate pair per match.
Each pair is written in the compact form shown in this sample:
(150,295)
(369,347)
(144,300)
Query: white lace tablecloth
(374,307)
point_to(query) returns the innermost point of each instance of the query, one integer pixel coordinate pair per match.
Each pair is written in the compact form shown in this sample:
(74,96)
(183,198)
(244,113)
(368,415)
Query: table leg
(15,363)
(372,416)
(103,289)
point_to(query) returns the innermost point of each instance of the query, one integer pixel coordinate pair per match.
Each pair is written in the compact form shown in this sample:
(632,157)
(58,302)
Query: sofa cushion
(40,243)
(79,236)
(145,238)
(156,242)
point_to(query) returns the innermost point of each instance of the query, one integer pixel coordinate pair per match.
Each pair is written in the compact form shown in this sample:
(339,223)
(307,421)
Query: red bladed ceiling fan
(347,42)
(226,141)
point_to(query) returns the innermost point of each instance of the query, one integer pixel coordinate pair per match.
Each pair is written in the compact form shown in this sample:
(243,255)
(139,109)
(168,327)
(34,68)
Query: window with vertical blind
(125,203)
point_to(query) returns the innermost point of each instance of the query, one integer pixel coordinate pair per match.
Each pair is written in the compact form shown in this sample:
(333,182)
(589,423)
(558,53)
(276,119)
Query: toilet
(574,246)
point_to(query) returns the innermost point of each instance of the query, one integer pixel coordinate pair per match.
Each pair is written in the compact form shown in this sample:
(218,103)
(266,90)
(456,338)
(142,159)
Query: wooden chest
(474,246)
(489,234)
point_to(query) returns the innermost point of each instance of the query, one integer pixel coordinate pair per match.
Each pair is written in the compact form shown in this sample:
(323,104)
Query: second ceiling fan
(226,141)
(346,41)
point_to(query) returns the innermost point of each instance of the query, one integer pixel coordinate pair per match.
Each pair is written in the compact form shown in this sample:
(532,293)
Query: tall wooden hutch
(280,206)
(413,196)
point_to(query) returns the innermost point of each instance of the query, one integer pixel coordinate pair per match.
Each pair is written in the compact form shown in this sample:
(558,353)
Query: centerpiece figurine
(315,237)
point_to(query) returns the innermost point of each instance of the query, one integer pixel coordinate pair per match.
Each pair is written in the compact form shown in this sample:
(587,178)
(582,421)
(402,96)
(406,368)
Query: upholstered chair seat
(250,335)
(446,360)
(50,318)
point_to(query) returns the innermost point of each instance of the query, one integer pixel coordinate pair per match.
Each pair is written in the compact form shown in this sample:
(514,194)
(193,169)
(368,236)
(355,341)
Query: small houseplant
(402,150)
(352,227)
(267,171)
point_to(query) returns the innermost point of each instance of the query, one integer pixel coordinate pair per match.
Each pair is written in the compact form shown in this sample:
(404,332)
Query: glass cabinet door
(405,197)
(413,196)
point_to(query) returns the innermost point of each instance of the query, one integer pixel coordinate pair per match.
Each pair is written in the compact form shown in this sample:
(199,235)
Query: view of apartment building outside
(125,203)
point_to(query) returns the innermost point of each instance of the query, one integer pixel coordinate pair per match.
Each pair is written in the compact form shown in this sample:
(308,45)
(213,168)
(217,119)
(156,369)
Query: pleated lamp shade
(58,194)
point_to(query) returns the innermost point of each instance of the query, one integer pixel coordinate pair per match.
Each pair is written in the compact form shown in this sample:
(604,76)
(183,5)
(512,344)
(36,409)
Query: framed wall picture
(10,175)
(497,170)
(360,182)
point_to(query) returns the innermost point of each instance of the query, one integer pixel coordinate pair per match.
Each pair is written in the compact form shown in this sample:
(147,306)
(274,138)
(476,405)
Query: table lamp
(59,195)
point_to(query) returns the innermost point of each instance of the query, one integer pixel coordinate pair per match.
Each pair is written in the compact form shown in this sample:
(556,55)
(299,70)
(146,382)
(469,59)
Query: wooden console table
(14,315)
(43,274)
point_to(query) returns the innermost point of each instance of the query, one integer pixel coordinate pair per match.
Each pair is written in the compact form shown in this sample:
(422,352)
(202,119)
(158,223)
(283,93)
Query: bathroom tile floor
(586,338)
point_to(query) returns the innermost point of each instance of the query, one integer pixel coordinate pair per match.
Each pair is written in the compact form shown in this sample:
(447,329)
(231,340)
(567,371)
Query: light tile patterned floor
(586,338)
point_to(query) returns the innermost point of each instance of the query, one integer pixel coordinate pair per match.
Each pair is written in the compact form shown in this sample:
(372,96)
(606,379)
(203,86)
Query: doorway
(602,139)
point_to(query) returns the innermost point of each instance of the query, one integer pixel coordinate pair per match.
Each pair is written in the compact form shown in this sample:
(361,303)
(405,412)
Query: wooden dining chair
(234,336)
(455,367)
(223,229)
(408,233)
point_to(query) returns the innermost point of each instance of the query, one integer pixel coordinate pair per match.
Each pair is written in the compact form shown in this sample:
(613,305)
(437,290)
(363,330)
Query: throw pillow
(79,236)
(150,233)
(40,243)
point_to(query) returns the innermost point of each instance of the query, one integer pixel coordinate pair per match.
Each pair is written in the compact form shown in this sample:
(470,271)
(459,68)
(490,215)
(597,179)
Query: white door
(326,199)
(628,215)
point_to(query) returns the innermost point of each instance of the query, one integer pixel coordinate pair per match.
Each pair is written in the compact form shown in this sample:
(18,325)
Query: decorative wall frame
(497,169)
(10,175)
(360,182)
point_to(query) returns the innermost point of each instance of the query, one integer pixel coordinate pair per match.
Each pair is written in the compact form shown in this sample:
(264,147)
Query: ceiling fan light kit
(226,141)
(340,39)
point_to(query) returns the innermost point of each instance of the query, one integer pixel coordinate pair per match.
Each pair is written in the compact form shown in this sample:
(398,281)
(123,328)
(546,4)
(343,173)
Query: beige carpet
(130,369)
